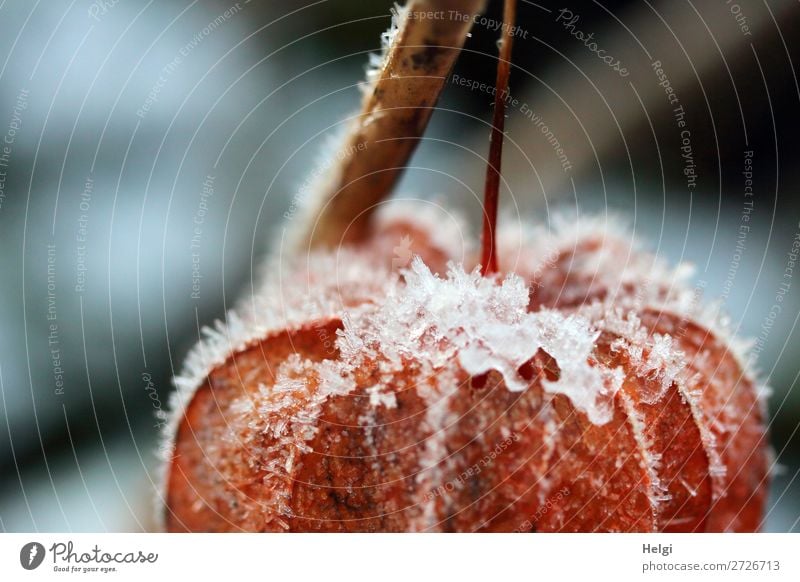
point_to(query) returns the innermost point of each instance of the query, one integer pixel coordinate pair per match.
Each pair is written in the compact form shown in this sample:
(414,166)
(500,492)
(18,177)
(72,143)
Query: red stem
(492,187)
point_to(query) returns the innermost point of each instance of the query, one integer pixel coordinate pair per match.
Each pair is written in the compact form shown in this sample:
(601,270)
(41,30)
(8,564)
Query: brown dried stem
(492,188)
(394,115)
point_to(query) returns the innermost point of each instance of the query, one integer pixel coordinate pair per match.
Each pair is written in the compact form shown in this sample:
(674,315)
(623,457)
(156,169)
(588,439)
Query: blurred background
(150,149)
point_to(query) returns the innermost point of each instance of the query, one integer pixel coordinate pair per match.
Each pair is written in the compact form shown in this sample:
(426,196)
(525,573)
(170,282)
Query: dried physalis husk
(581,387)
(625,412)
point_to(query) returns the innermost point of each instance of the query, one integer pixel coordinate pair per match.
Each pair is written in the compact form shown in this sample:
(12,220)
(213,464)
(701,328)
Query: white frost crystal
(485,325)
(482,323)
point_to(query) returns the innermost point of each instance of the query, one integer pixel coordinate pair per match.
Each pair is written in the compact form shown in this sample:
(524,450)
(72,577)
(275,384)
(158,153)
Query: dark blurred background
(115,114)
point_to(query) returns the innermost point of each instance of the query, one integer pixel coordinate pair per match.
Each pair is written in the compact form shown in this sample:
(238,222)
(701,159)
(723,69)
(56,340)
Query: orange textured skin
(691,456)
(344,484)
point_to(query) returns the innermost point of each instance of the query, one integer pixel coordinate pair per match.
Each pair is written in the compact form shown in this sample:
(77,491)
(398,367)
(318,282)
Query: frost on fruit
(338,397)
(485,325)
